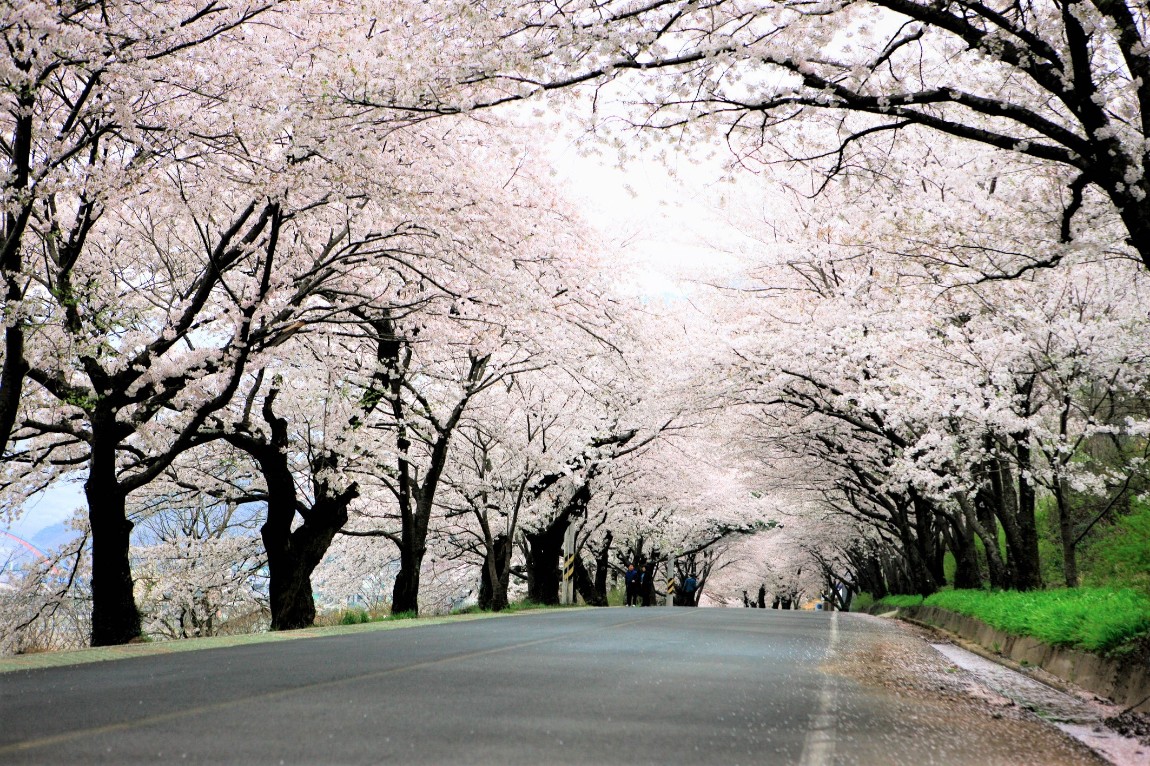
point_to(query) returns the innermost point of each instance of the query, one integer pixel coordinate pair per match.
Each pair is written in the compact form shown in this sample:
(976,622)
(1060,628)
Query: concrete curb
(10,663)
(125,651)
(1124,681)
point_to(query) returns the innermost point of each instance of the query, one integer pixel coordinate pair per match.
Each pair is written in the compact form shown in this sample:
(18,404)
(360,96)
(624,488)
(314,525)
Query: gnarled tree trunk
(496,575)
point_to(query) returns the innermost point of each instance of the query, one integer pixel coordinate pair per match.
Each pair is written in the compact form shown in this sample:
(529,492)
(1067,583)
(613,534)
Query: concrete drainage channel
(1081,718)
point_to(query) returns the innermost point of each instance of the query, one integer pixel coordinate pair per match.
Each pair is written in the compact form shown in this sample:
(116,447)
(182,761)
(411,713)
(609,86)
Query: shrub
(410,615)
(861,602)
(354,617)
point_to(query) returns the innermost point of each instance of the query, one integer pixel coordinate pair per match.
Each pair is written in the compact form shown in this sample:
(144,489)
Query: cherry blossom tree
(505,442)
(88,104)
(196,564)
(201,248)
(1063,84)
(928,397)
(46,604)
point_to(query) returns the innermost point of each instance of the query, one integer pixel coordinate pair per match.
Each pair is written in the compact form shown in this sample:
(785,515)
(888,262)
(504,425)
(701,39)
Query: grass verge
(1100,620)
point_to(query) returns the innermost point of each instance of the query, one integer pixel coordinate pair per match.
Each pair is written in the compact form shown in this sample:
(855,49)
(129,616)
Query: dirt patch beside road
(936,697)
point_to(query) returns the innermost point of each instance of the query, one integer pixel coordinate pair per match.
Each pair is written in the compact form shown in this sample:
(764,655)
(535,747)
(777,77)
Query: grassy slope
(1094,619)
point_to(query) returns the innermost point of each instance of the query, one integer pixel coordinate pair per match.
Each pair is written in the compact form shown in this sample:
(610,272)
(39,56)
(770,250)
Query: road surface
(588,686)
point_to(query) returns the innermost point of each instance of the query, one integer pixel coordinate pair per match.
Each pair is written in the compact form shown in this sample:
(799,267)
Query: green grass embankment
(1099,620)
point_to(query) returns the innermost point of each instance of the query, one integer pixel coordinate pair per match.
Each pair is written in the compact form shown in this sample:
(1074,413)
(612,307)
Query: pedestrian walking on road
(631,580)
(690,585)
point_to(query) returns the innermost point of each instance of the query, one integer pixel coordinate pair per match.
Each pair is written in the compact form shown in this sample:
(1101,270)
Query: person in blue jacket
(631,579)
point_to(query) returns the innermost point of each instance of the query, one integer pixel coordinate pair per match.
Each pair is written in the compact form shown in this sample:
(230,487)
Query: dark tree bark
(495,576)
(545,546)
(292,554)
(292,557)
(988,498)
(647,590)
(120,402)
(405,593)
(11,264)
(593,588)
(1066,533)
(1024,545)
(544,549)
(603,567)
(115,617)
(967,573)
(585,585)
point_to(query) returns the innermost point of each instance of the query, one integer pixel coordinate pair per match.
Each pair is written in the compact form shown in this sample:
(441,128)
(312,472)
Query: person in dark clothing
(631,579)
(690,585)
(646,587)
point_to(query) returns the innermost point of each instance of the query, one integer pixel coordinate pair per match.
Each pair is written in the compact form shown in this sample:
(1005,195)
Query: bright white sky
(667,222)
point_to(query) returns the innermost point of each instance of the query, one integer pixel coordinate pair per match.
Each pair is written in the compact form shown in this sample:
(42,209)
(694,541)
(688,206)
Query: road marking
(56,739)
(819,744)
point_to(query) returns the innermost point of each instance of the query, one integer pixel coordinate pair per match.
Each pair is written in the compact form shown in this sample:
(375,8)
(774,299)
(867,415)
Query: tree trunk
(405,594)
(648,592)
(586,586)
(1066,533)
(988,498)
(874,578)
(1027,569)
(603,567)
(115,618)
(293,555)
(915,551)
(12,375)
(12,253)
(544,549)
(496,575)
(967,574)
(927,541)
(1015,513)
(289,583)
(294,559)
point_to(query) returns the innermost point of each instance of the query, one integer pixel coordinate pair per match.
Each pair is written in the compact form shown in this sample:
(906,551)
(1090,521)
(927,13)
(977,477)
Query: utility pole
(567,584)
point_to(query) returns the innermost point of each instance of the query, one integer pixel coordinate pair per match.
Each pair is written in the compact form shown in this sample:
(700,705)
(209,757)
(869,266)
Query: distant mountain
(54,536)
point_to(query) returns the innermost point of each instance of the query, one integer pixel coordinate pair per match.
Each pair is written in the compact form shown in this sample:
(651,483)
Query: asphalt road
(592,686)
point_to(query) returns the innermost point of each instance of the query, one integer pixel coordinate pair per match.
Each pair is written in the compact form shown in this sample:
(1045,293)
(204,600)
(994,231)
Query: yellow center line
(56,739)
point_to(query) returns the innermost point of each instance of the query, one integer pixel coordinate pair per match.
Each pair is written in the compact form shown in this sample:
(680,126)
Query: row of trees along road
(230,282)
(1037,111)
(258,254)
